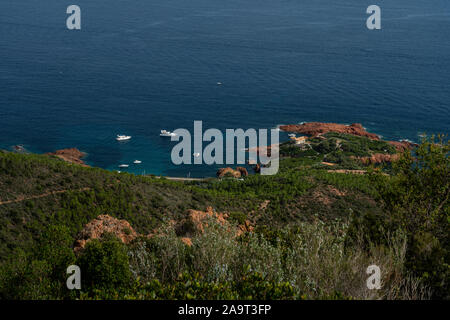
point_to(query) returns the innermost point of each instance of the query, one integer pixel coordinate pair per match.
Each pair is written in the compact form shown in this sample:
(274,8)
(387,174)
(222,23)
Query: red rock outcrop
(238,173)
(379,158)
(199,220)
(222,172)
(194,224)
(101,225)
(72,155)
(244,228)
(318,128)
(243,171)
(403,145)
(187,241)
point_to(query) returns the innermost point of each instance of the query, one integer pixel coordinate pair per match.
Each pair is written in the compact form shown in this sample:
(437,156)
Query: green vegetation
(315,229)
(415,199)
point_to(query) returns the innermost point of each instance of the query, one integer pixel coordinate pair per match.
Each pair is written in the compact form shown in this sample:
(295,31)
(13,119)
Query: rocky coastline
(72,155)
(310,129)
(317,129)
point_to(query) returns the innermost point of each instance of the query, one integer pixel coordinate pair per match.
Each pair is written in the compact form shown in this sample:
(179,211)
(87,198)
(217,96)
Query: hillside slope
(336,205)
(41,190)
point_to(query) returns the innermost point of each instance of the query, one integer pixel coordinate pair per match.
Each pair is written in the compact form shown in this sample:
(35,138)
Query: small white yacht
(123,165)
(292,135)
(165,133)
(137,161)
(122,137)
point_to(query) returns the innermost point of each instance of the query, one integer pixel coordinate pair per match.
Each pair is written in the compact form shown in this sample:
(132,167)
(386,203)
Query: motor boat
(137,161)
(122,137)
(165,133)
(292,135)
(124,166)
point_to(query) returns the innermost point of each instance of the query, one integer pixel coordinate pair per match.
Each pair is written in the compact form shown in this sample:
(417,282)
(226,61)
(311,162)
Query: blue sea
(139,66)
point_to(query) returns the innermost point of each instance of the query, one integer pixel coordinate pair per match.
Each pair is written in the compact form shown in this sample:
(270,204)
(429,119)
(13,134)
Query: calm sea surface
(139,66)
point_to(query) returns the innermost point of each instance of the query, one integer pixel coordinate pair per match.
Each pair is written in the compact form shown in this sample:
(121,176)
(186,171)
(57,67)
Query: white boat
(123,165)
(291,135)
(219,83)
(137,161)
(122,137)
(196,154)
(165,133)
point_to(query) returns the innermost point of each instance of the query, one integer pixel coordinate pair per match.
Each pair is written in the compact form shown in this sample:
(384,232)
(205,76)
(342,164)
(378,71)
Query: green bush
(104,265)
(415,199)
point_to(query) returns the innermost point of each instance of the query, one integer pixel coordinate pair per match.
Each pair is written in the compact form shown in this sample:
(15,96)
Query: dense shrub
(415,200)
(104,265)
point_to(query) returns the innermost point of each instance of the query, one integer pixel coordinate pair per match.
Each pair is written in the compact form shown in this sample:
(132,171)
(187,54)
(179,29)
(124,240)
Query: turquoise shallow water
(140,66)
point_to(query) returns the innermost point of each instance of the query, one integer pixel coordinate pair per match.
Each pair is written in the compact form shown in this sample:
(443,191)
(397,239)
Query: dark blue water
(140,66)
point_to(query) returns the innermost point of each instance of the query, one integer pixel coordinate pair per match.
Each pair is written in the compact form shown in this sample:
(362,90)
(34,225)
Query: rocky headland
(315,129)
(72,155)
